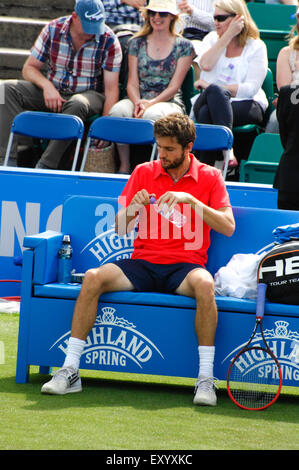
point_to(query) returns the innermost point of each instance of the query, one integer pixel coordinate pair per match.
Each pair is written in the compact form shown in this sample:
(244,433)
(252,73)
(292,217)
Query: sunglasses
(162,14)
(222,18)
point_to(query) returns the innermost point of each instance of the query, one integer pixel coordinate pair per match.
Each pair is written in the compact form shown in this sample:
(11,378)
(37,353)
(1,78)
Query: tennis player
(166,258)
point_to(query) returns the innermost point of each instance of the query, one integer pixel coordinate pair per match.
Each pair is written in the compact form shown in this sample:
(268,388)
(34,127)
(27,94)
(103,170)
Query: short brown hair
(176,125)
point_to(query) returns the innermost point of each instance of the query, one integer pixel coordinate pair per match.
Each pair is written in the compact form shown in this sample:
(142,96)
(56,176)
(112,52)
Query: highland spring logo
(108,246)
(112,342)
(285,345)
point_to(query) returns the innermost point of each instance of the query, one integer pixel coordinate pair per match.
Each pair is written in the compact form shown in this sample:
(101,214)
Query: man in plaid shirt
(83,57)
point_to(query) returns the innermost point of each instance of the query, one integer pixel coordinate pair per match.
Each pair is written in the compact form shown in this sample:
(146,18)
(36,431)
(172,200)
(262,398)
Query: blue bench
(148,333)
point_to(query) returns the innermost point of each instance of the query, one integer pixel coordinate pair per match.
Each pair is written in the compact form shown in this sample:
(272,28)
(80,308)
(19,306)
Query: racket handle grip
(260,301)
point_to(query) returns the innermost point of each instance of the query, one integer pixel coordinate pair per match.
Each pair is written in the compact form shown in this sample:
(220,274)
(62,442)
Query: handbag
(101,160)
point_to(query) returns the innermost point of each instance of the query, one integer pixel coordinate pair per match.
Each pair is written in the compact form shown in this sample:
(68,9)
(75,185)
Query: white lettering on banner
(112,342)
(12,225)
(107,245)
(283,342)
(103,247)
(54,219)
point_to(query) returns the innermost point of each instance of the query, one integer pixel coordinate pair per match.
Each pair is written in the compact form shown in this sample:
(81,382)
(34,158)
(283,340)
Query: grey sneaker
(65,380)
(204,393)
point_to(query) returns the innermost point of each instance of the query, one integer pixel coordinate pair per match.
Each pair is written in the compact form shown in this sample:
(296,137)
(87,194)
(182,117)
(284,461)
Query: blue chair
(120,130)
(213,137)
(47,126)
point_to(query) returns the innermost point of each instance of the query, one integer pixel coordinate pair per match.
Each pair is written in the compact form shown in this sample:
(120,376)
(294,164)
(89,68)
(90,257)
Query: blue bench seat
(229,304)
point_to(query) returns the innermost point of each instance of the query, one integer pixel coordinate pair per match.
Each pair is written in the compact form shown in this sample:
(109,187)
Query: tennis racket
(254,376)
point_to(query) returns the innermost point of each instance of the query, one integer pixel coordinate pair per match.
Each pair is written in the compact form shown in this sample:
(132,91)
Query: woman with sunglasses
(287,77)
(158,59)
(233,62)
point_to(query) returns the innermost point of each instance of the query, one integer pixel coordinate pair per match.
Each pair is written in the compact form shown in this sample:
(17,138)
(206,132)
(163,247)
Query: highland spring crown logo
(113,341)
(285,345)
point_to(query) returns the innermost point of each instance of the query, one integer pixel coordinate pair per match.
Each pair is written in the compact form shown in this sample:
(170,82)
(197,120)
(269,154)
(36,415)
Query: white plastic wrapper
(239,277)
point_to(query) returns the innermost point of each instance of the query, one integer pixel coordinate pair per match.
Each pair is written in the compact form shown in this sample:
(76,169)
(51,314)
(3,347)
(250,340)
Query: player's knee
(93,282)
(204,288)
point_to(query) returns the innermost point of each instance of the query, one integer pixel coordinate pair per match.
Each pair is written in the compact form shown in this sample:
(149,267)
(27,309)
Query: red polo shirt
(158,240)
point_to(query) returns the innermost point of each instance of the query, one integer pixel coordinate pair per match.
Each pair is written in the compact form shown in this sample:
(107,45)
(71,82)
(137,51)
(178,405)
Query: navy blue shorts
(151,277)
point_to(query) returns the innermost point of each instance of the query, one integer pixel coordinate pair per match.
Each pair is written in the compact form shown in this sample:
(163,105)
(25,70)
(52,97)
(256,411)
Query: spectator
(123,12)
(197,17)
(164,259)
(159,59)
(125,19)
(287,76)
(83,56)
(233,63)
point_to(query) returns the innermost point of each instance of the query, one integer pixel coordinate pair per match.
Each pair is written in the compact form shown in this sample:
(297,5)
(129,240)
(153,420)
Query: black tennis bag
(279,269)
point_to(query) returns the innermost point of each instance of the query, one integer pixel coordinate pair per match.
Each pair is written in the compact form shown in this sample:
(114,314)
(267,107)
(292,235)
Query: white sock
(206,360)
(74,351)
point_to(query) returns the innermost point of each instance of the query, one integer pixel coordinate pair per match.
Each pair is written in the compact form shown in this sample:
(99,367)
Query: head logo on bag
(279,269)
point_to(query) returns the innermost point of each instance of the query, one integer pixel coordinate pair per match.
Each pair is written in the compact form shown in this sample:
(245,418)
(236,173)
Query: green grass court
(126,412)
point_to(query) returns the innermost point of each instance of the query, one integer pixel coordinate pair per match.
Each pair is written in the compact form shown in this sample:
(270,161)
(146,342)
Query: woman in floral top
(159,59)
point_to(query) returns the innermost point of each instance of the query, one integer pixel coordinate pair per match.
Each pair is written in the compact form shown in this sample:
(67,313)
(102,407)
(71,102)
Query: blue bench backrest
(90,223)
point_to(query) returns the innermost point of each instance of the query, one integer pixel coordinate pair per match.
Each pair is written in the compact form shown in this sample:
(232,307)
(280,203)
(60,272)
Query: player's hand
(171,198)
(141,198)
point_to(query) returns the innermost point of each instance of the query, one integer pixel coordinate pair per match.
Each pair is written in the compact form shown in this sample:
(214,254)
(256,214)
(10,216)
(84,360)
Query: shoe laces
(64,372)
(206,384)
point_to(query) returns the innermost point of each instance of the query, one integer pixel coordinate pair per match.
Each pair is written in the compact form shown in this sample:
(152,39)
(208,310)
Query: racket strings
(254,379)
